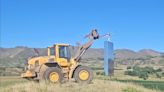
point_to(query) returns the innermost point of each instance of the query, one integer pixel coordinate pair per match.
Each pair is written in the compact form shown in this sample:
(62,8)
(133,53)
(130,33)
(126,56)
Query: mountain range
(16,57)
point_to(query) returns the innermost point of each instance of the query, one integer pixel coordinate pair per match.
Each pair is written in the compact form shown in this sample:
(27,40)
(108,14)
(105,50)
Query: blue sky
(134,24)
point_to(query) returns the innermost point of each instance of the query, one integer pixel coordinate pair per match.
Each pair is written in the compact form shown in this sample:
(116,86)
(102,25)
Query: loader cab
(61,53)
(51,51)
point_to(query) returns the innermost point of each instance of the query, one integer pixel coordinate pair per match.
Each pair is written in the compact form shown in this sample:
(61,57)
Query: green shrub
(131,73)
(159,75)
(97,73)
(144,72)
(129,67)
(100,73)
(159,70)
(149,70)
(143,75)
(163,74)
(161,62)
(130,89)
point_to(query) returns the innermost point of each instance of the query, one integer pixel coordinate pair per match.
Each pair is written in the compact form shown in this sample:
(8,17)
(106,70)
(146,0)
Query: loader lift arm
(83,48)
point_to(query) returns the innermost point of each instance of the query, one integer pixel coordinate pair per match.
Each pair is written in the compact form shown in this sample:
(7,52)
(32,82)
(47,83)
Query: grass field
(159,85)
(10,81)
(16,84)
(151,83)
(118,83)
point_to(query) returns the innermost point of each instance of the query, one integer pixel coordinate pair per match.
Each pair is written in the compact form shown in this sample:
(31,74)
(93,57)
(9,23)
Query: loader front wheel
(53,74)
(83,74)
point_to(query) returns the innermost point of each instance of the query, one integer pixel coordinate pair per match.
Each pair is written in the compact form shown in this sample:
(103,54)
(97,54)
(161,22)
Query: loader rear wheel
(53,74)
(83,74)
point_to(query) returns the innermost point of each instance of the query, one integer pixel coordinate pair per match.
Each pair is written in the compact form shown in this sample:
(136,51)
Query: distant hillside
(149,52)
(16,57)
(125,53)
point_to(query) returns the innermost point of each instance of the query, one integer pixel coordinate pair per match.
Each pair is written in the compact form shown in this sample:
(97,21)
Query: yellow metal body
(35,64)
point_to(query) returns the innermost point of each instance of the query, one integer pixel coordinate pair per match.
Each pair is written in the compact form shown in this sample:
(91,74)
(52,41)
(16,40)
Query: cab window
(64,52)
(52,51)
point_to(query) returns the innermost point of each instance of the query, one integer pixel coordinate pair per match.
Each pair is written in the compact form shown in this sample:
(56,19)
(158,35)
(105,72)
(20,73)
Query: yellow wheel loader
(58,65)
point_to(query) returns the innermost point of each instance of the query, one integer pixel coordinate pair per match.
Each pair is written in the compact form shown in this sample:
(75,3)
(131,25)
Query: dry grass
(96,86)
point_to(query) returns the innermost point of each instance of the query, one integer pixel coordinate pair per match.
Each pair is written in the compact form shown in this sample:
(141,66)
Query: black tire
(77,76)
(50,70)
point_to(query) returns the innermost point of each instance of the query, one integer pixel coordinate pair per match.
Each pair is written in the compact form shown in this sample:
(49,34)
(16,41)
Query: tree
(143,75)
(159,75)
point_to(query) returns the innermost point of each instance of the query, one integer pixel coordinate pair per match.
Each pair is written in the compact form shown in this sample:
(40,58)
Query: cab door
(63,55)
